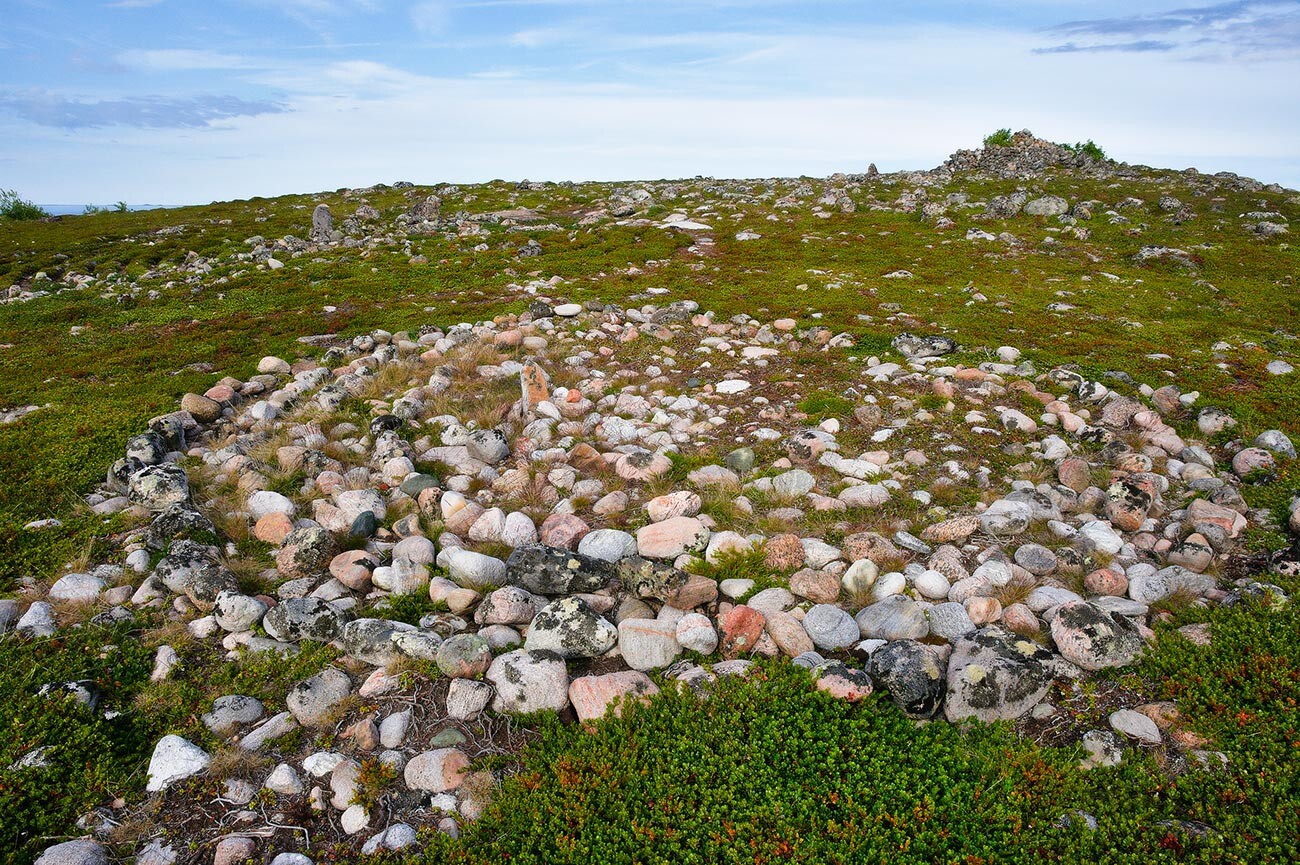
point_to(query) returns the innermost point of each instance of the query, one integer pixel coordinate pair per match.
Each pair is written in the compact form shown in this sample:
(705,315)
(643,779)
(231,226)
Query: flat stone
(592,696)
(671,538)
(1135,725)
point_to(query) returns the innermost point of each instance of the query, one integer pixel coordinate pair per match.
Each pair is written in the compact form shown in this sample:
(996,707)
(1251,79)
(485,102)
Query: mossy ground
(752,775)
(771,770)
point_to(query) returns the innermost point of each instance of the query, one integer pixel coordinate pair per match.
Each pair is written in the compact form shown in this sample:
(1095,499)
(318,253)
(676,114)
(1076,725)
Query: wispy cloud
(1247,29)
(1137,46)
(430,18)
(182,60)
(147,112)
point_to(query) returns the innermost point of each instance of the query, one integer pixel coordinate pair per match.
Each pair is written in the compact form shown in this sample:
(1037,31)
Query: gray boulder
(231,712)
(373,641)
(488,445)
(322,223)
(895,618)
(82,851)
(553,571)
(995,676)
(529,682)
(177,522)
(913,346)
(647,578)
(37,622)
(1048,205)
(235,612)
(194,570)
(159,487)
(831,628)
(8,614)
(1094,639)
(306,552)
(313,700)
(1005,517)
(148,447)
(174,759)
(571,629)
(307,618)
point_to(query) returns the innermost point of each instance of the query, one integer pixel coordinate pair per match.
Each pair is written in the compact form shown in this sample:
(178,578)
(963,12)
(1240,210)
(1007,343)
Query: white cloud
(743,104)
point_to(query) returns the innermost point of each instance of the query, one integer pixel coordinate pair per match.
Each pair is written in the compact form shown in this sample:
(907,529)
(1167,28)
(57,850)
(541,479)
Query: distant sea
(76,209)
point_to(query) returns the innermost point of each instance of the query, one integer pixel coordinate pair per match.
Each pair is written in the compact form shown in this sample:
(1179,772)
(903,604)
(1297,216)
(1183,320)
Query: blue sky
(178,101)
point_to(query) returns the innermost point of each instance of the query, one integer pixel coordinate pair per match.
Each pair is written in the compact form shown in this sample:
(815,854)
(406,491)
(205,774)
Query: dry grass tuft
(392,378)
(236,762)
(465,359)
(1015,592)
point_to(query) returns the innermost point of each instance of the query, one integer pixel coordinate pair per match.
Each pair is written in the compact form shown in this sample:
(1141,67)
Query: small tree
(1001,138)
(1090,149)
(14,208)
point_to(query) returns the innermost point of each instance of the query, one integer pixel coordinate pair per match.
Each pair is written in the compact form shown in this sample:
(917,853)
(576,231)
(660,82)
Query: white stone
(284,780)
(734,385)
(173,759)
(265,502)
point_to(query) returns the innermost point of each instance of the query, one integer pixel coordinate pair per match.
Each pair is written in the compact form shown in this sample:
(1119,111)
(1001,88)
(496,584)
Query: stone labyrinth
(587,504)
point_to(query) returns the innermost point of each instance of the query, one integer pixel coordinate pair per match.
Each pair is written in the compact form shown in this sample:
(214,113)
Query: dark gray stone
(303,619)
(911,674)
(553,571)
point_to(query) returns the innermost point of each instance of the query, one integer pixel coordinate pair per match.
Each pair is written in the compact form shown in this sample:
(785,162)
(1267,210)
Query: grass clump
(408,608)
(16,209)
(821,405)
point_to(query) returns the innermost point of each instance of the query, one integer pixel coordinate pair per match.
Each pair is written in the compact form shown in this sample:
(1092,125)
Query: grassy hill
(1168,279)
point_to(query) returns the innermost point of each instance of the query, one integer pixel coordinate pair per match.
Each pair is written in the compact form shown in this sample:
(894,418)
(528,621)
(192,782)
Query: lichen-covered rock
(528,682)
(308,618)
(195,571)
(373,641)
(553,571)
(571,629)
(1094,639)
(313,700)
(306,552)
(995,676)
(913,676)
(158,487)
(646,578)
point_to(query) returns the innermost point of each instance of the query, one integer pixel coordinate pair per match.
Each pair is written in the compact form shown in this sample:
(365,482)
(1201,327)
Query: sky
(190,101)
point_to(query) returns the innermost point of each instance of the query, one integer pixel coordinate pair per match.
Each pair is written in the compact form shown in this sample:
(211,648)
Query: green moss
(90,758)
(821,404)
